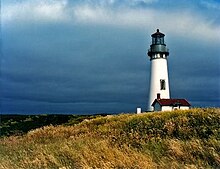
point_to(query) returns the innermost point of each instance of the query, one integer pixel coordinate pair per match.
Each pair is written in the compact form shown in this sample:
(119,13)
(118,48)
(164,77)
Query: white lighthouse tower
(159,81)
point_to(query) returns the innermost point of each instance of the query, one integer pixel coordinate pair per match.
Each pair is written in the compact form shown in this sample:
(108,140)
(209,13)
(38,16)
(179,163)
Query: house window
(162,84)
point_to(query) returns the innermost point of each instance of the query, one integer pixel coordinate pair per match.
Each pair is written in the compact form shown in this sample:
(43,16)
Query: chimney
(158,95)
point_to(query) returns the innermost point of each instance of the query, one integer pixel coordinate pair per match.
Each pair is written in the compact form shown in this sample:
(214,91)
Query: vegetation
(20,124)
(177,139)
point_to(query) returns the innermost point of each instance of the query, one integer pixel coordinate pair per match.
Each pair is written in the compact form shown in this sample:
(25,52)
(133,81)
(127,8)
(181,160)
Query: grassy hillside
(178,139)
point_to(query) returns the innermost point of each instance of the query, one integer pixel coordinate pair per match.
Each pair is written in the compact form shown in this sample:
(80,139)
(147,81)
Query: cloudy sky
(89,56)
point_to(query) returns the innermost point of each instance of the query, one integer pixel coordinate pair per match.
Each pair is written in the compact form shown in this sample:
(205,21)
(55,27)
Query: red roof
(171,102)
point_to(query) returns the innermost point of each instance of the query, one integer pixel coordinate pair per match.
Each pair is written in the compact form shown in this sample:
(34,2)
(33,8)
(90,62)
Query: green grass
(177,139)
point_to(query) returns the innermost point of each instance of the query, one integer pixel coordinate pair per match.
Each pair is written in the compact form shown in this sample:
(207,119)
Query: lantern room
(158,38)
(158,46)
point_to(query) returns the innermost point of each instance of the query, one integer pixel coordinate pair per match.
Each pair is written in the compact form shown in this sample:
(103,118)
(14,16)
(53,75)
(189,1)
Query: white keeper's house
(170,104)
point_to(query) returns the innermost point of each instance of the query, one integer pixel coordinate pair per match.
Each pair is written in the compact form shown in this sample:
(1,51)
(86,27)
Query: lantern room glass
(158,40)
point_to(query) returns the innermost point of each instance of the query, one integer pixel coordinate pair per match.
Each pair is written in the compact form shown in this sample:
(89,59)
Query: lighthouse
(159,80)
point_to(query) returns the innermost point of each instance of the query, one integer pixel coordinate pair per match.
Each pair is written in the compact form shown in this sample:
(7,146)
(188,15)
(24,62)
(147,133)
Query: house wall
(167,108)
(157,107)
(184,107)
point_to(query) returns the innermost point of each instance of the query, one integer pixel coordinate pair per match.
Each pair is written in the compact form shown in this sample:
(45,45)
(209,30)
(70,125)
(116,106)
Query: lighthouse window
(161,41)
(158,40)
(162,84)
(153,40)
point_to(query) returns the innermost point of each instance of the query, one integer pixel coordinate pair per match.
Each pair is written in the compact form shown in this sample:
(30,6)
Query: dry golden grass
(180,139)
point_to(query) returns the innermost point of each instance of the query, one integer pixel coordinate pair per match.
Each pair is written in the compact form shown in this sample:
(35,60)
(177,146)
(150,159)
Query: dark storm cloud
(80,69)
(90,58)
